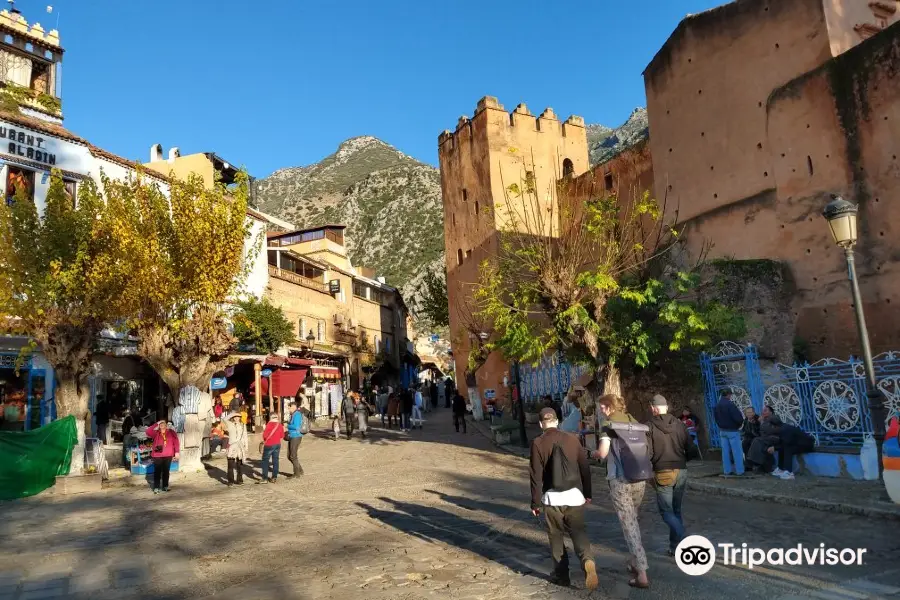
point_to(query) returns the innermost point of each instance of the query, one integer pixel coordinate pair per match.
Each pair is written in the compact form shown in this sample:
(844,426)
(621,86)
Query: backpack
(565,473)
(631,447)
(304,424)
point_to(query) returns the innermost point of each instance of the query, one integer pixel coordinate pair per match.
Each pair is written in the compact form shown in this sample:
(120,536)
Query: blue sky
(277,83)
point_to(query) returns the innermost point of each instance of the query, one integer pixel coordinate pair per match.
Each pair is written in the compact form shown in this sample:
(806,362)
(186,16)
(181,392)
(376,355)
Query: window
(70,191)
(468,254)
(40,77)
(459,256)
(608,182)
(303,330)
(320,334)
(568,168)
(477,208)
(454,219)
(376,341)
(465,196)
(360,290)
(16,179)
(387,344)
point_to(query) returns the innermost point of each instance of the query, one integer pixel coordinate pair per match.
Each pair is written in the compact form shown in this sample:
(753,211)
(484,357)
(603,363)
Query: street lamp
(841,217)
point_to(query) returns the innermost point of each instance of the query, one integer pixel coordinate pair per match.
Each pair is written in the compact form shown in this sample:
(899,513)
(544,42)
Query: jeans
(215,443)
(457,419)
(293,447)
(560,521)
(405,421)
(350,419)
(417,416)
(161,468)
(668,499)
(270,452)
(732,451)
(235,470)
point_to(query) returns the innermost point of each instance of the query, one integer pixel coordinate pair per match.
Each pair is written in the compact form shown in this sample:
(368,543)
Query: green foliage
(432,306)
(602,288)
(12,96)
(261,324)
(51,103)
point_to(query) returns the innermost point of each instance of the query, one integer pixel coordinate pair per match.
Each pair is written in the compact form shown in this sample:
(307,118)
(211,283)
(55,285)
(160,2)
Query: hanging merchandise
(336,395)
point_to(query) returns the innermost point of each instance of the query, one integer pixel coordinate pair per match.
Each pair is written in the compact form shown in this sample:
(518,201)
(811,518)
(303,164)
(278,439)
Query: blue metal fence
(551,377)
(826,398)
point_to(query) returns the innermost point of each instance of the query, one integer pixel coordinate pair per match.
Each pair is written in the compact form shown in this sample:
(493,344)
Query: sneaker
(786,475)
(262,481)
(155,490)
(273,480)
(590,575)
(562,581)
(165,489)
(777,472)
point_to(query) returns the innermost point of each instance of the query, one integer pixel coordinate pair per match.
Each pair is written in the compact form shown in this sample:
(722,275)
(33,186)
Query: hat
(234,415)
(548,414)
(659,401)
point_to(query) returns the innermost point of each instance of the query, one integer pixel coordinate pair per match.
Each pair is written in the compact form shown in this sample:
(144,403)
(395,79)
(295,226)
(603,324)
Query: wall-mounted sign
(334,286)
(265,372)
(27,145)
(218,383)
(490,394)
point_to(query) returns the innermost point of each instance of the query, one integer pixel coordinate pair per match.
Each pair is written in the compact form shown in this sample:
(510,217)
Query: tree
(595,276)
(184,264)
(431,305)
(261,324)
(54,288)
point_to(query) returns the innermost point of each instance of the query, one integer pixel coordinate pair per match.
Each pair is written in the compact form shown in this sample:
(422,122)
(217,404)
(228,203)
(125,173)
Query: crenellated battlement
(520,118)
(17,22)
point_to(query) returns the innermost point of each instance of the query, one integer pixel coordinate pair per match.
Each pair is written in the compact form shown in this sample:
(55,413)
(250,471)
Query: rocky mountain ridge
(604,142)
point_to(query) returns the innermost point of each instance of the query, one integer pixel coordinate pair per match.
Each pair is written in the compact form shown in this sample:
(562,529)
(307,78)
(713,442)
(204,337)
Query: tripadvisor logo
(696,555)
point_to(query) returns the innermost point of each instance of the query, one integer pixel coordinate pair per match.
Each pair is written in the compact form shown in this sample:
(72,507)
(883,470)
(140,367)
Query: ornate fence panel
(827,398)
(551,377)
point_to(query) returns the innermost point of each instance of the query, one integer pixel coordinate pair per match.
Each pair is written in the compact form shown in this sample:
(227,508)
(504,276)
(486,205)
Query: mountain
(604,143)
(390,203)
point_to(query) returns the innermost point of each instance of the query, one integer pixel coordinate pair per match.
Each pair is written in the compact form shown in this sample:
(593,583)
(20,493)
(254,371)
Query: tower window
(468,254)
(568,168)
(608,182)
(454,219)
(476,208)
(459,256)
(465,196)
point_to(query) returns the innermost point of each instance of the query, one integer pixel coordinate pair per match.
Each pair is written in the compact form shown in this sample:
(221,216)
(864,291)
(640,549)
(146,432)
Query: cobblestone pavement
(430,514)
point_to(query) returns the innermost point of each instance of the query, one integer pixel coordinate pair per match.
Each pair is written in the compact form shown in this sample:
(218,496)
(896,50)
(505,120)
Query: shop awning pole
(271,385)
(257,392)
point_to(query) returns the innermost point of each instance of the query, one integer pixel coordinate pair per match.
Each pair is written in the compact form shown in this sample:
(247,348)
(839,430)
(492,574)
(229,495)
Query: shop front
(26,392)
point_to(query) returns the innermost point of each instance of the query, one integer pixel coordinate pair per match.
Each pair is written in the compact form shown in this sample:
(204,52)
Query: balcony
(292,277)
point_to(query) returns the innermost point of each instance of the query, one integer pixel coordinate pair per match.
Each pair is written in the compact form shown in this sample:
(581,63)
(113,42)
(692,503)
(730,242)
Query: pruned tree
(431,305)
(593,275)
(184,265)
(55,289)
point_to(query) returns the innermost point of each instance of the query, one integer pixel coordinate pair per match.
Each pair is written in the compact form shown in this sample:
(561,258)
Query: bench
(502,433)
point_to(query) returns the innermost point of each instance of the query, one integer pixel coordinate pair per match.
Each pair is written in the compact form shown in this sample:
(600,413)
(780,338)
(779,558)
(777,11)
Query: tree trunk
(72,399)
(612,381)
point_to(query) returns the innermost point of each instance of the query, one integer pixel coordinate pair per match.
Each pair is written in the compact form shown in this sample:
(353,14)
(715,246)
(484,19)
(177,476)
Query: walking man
(406,409)
(418,405)
(729,419)
(671,447)
(295,436)
(459,412)
(349,409)
(561,486)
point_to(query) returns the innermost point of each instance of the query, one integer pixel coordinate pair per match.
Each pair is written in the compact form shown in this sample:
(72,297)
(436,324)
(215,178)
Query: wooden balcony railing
(298,279)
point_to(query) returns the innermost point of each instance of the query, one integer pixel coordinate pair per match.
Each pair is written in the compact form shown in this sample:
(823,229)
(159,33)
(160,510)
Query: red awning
(284,361)
(285,382)
(323,372)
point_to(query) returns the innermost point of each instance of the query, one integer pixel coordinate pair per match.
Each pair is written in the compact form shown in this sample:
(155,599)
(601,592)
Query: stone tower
(479,161)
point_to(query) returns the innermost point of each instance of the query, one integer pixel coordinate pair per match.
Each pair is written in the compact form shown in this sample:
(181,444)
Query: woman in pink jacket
(164,449)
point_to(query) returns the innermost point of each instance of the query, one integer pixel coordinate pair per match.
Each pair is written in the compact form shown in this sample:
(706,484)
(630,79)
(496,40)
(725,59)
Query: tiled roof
(274,234)
(101,153)
(41,126)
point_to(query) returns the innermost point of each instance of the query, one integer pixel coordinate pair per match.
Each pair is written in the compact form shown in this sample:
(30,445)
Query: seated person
(218,438)
(769,428)
(792,441)
(749,430)
(689,419)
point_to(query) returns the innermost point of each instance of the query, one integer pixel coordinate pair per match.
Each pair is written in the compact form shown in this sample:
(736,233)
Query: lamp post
(841,217)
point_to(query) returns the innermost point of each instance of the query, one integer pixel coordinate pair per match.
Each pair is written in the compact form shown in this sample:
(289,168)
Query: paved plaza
(430,514)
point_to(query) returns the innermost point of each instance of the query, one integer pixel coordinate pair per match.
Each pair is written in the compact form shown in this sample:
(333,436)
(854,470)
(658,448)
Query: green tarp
(31,460)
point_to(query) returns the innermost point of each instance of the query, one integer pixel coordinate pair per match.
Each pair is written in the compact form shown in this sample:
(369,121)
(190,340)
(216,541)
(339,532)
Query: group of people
(751,440)
(636,453)
(407,407)
(229,434)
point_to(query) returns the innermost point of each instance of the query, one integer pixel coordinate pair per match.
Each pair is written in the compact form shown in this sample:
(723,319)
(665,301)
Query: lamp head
(841,217)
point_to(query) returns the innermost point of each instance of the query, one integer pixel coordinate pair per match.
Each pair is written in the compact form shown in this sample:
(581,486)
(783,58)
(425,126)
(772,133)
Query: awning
(322,372)
(283,361)
(285,382)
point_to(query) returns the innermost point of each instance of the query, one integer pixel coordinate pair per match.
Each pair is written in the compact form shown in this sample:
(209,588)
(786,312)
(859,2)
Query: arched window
(568,168)
(459,256)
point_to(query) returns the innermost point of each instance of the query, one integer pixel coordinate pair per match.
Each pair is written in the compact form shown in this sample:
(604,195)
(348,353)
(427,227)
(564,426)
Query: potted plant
(532,411)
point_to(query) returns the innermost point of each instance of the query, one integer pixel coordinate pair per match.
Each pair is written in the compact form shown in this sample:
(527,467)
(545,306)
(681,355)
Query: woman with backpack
(628,468)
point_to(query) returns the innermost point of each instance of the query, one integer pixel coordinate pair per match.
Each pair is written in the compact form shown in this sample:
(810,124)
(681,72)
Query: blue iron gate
(826,398)
(551,377)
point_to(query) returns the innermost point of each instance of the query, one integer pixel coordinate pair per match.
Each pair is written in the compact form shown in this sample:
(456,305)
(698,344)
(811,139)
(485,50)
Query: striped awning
(322,372)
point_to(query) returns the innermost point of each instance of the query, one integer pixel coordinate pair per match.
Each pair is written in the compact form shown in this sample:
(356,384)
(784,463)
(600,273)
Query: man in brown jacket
(561,487)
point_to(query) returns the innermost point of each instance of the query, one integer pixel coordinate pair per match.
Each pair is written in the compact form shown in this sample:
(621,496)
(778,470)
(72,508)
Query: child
(336,426)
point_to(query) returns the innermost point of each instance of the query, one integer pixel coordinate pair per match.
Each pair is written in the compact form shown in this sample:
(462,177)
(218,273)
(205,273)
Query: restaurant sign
(26,145)
(334,286)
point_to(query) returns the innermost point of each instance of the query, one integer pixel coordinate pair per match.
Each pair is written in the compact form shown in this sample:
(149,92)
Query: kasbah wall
(759,110)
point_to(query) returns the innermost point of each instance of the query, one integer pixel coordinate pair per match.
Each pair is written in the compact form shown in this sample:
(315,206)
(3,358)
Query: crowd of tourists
(636,453)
